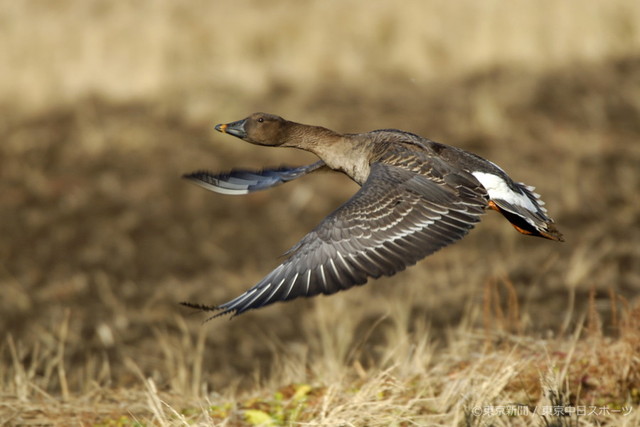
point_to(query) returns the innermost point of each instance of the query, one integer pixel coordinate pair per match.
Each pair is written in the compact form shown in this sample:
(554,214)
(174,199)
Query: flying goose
(416,197)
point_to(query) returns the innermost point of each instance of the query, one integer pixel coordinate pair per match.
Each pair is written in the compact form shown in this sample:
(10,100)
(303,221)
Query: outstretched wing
(239,181)
(397,218)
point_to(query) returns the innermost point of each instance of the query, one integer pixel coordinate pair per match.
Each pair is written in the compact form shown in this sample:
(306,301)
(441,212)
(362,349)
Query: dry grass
(463,381)
(105,105)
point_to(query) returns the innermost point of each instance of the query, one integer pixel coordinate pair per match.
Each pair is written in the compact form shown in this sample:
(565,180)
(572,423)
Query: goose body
(416,197)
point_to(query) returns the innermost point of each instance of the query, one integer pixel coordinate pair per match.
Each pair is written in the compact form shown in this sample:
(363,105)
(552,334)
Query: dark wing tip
(196,175)
(203,307)
(552,233)
(204,178)
(197,306)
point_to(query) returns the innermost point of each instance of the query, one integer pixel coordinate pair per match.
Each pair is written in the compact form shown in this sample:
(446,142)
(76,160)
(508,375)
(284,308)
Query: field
(104,105)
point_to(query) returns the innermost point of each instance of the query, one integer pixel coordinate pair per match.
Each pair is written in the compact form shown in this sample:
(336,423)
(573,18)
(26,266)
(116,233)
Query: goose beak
(234,128)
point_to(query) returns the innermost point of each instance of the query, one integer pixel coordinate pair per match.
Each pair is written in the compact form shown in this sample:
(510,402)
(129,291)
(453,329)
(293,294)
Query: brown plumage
(416,197)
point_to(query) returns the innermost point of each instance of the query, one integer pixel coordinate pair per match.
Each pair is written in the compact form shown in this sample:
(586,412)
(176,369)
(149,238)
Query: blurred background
(104,105)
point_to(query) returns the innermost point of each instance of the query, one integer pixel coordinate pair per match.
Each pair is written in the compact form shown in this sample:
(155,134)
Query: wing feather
(240,181)
(397,218)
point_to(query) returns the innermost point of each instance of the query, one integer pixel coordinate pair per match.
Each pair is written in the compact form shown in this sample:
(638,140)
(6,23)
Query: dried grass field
(104,105)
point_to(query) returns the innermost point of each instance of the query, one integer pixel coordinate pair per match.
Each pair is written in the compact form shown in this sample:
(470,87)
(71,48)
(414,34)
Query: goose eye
(260,120)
